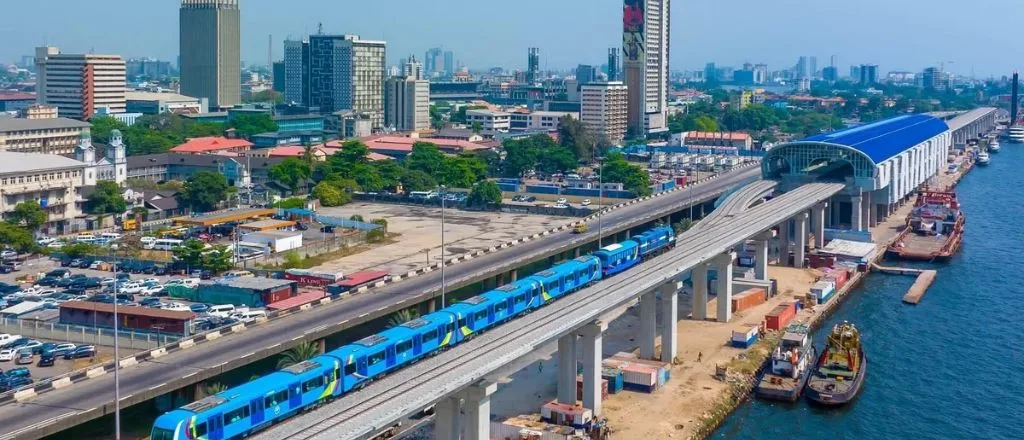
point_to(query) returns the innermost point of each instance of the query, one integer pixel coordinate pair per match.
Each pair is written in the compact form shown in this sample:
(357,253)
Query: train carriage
(618,257)
(655,241)
(472,315)
(525,295)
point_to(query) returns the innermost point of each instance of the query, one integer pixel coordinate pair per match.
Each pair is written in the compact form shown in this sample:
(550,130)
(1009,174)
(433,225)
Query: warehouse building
(145,319)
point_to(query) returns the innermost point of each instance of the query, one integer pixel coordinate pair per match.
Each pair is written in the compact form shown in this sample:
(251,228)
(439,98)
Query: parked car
(24,358)
(160,270)
(6,288)
(18,372)
(585,202)
(8,254)
(83,351)
(132,287)
(150,301)
(77,262)
(8,354)
(153,290)
(47,359)
(96,264)
(4,268)
(32,346)
(199,308)
(562,201)
(10,383)
(61,349)
(18,343)
(48,281)
(327,229)
(176,307)
(250,315)
(222,310)
(59,273)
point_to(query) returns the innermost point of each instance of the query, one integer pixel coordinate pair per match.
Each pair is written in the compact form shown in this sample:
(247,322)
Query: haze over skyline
(896,35)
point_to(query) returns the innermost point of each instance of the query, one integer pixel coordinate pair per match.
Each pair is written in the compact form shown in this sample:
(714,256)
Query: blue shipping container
(615,382)
(542,189)
(508,187)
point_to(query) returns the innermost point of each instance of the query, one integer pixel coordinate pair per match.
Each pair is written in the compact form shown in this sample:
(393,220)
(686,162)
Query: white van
(6,339)
(223,310)
(250,315)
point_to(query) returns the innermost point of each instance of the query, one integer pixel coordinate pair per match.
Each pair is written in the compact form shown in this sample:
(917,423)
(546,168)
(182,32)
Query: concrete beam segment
(648,324)
(669,324)
(866,212)
(477,409)
(567,369)
(761,260)
(699,277)
(590,337)
(723,265)
(447,417)
(801,240)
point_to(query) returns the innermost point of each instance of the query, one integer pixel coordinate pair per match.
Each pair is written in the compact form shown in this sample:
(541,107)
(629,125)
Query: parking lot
(419,227)
(62,366)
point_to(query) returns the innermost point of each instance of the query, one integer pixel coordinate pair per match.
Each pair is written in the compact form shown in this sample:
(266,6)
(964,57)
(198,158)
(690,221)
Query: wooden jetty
(925,278)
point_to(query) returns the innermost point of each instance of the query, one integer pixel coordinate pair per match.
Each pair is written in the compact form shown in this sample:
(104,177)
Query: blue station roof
(884,139)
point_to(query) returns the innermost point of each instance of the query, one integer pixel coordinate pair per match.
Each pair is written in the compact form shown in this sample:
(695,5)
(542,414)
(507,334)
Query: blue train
(250,407)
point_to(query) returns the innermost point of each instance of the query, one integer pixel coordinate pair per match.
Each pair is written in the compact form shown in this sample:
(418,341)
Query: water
(949,368)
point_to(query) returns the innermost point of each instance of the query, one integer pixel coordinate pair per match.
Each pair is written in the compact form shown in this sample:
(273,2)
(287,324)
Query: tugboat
(789,366)
(839,373)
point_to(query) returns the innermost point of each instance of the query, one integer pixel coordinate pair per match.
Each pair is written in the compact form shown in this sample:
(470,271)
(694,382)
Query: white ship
(983,158)
(993,146)
(1016,134)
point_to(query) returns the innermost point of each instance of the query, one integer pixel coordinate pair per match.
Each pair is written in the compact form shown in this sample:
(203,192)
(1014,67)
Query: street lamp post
(443,304)
(117,365)
(600,200)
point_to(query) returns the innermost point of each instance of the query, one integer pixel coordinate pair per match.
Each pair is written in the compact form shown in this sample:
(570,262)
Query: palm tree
(403,316)
(211,389)
(302,352)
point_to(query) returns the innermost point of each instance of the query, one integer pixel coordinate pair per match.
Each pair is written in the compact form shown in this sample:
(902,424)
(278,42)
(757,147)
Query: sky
(969,36)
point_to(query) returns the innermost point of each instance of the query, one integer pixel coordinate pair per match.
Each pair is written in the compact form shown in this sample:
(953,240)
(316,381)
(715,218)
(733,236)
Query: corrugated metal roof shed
(255,283)
(884,139)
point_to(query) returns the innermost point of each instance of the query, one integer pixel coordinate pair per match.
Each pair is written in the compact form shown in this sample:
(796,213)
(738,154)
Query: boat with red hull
(934,229)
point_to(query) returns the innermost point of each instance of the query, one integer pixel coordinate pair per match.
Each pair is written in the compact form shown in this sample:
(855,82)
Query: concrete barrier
(24,395)
(213,336)
(326,300)
(61,383)
(125,363)
(187,343)
(306,306)
(95,372)
(238,328)
(160,352)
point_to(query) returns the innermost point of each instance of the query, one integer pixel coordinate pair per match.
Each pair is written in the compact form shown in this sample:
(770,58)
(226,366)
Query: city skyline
(973,48)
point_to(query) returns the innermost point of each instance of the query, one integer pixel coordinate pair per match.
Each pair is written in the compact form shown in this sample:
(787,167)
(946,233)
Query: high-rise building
(433,61)
(210,40)
(812,66)
(614,56)
(407,103)
(934,78)
(147,67)
(803,68)
(855,73)
(449,62)
(277,74)
(760,73)
(830,74)
(710,72)
(347,73)
(585,74)
(296,71)
(412,69)
(645,44)
(79,85)
(743,77)
(869,74)
(603,110)
(532,65)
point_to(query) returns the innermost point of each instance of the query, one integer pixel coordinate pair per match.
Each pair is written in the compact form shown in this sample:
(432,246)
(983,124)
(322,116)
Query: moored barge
(934,228)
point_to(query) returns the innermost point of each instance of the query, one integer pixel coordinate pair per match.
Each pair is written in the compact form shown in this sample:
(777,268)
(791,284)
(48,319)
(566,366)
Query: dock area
(920,287)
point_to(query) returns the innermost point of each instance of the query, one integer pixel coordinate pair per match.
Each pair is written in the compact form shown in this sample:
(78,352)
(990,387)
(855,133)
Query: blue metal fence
(339,222)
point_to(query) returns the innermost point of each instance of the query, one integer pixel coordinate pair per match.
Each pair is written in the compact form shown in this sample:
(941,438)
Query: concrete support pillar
(723,265)
(818,220)
(801,240)
(321,346)
(431,306)
(699,277)
(866,212)
(478,410)
(590,337)
(446,418)
(669,325)
(648,324)
(567,369)
(627,233)
(576,253)
(784,243)
(761,260)
(856,219)
(514,274)
(873,215)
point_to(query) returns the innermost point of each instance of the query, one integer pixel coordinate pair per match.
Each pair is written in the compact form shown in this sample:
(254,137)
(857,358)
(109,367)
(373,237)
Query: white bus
(167,244)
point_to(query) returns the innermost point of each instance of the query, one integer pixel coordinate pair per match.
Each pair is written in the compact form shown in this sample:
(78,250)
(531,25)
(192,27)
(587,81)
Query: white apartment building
(603,110)
(492,122)
(406,104)
(46,136)
(79,84)
(53,181)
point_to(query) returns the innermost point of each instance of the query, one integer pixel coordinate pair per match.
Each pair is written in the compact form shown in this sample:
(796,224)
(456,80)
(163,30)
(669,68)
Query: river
(948,368)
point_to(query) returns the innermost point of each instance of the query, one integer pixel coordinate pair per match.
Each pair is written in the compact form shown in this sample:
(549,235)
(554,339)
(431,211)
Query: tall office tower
(710,72)
(346,73)
(812,67)
(585,74)
(77,84)
(869,74)
(210,40)
(296,71)
(645,46)
(802,68)
(760,73)
(449,62)
(407,103)
(277,74)
(532,65)
(412,69)
(433,61)
(603,110)
(613,63)
(855,73)
(830,74)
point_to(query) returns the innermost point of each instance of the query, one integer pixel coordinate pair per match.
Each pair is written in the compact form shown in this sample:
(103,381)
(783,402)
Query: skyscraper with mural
(645,50)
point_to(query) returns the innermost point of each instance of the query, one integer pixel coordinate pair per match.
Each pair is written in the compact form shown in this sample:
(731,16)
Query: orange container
(748,299)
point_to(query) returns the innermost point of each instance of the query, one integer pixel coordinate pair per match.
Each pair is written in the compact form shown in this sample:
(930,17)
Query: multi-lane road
(57,410)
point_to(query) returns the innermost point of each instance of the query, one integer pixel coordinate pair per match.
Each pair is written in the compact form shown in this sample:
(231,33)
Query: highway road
(57,410)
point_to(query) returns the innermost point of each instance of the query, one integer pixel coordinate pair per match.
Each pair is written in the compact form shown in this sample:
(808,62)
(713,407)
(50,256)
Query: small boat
(983,158)
(789,366)
(993,146)
(839,373)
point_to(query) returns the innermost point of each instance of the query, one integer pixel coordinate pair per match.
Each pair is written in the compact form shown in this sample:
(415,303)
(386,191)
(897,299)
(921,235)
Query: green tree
(16,237)
(462,171)
(426,157)
(211,389)
(304,351)
(357,218)
(390,172)
(103,125)
(291,260)
(575,137)
(75,250)
(190,253)
(477,127)
(268,95)
(330,195)
(28,214)
(106,199)
(291,203)
(403,316)
(484,194)
(705,123)
(557,159)
(416,180)
(205,190)
(383,223)
(633,178)
(248,125)
(218,259)
(682,226)
(290,172)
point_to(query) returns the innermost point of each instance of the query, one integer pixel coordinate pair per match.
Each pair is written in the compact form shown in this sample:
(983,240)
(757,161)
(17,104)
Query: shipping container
(542,189)
(614,378)
(748,299)
(568,415)
(822,290)
(682,180)
(744,336)
(509,187)
(579,388)
(780,316)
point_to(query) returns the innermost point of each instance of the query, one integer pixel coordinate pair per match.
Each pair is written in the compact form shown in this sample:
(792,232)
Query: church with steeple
(112,166)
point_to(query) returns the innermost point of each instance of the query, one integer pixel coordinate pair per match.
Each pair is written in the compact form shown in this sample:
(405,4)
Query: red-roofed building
(742,141)
(398,147)
(320,152)
(213,145)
